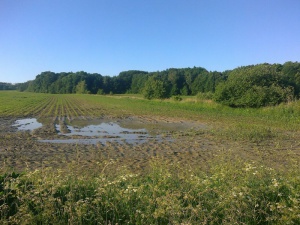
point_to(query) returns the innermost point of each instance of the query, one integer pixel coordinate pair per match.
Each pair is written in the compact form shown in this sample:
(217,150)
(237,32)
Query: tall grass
(229,191)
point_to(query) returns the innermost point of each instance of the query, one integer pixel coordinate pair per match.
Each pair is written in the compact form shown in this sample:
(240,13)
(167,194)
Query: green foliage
(155,89)
(177,98)
(291,75)
(138,83)
(231,191)
(81,88)
(100,92)
(176,81)
(128,80)
(249,86)
(8,195)
(254,86)
(204,96)
(206,82)
(7,86)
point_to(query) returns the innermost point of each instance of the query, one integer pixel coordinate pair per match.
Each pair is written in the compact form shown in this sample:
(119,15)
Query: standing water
(102,133)
(27,124)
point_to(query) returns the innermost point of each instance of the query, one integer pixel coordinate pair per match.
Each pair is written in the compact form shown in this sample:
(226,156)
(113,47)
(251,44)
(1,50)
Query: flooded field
(53,130)
(167,155)
(94,131)
(132,141)
(32,142)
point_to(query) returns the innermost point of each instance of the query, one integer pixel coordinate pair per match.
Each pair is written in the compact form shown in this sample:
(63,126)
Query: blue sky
(110,36)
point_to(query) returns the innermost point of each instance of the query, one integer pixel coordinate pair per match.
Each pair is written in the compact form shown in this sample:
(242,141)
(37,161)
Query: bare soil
(191,144)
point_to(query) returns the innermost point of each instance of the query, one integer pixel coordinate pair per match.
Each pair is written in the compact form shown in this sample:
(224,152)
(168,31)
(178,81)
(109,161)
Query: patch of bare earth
(191,144)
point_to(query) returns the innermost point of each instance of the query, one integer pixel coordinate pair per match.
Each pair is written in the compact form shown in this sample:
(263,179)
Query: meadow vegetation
(242,192)
(230,185)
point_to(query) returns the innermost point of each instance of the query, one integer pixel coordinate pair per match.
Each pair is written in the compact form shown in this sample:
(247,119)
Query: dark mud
(192,144)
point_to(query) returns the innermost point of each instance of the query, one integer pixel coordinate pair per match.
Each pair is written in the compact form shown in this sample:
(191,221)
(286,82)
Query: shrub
(255,86)
(177,98)
(155,89)
(100,92)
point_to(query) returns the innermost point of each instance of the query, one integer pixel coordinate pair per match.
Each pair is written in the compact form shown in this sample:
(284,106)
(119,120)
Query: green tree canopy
(254,86)
(81,88)
(154,89)
(248,86)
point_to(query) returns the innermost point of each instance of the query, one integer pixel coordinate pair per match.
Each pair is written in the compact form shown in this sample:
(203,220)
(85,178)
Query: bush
(177,98)
(155,89)
(255,86)
(100,92)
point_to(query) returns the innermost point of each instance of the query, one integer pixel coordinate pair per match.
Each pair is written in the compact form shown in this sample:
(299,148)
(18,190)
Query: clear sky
(110,36)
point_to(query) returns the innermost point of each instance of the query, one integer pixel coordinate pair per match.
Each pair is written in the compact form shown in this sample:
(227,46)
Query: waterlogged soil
(131,141)
(131,130)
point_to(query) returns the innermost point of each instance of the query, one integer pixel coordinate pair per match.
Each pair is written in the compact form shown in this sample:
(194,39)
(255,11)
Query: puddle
(27,124)
(128,130)
(112,129)
(102,133)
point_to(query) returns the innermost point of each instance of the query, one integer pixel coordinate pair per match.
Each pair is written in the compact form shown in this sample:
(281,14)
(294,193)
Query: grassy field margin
(228,189)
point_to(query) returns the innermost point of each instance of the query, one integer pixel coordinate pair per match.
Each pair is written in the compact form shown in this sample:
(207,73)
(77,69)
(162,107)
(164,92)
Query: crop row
(15,104)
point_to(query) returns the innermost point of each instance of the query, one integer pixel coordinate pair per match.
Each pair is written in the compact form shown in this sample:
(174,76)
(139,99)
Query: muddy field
(131,141)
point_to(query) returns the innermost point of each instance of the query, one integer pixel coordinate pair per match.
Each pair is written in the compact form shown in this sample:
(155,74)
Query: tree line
(187,81)
(247,86)
(260,85)
(7,86)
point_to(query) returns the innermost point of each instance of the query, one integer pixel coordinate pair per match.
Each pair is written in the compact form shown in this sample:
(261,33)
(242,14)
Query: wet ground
(29,124)
(132,141)
(94,131)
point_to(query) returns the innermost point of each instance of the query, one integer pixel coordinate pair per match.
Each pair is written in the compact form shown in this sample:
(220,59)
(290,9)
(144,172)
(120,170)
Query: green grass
(25,103)
(231,191)
(226,122)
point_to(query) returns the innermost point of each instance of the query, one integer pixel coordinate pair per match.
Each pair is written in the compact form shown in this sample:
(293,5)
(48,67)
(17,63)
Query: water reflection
(96,131)
(27,124)
(102,133)
(104,128)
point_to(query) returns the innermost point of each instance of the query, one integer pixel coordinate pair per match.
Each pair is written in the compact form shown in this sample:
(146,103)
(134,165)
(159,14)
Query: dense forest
(7,86)
(188,81)
(247,86)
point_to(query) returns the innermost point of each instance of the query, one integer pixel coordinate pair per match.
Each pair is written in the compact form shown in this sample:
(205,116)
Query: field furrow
(78,106)
(68,110)
(22,105)
(50,110)
(73,113)
(91,108)
(43,106)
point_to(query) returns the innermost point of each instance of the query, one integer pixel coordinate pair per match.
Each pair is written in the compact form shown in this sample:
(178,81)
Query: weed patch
(230,192)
